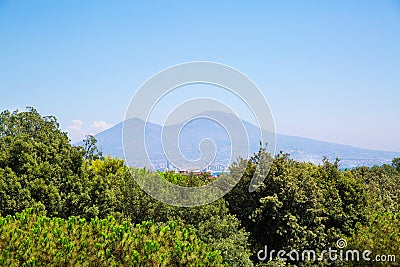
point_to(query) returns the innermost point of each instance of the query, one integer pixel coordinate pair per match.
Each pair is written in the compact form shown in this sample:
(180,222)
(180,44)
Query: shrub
(29,239)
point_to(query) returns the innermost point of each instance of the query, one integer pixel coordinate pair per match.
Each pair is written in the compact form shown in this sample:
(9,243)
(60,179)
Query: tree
(298,205)
(380,235)
(212,223)
(37,156)
(396,164)
(286,211)
(345,198)
(40,168)
(92,152)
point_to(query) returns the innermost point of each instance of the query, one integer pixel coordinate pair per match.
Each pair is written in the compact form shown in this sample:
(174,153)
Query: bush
(381,235)
(29,239)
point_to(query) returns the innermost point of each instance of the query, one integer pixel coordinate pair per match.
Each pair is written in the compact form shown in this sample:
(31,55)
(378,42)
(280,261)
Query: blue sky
(330,70)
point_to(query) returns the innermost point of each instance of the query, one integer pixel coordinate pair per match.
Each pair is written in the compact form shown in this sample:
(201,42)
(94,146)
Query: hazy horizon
(159,123)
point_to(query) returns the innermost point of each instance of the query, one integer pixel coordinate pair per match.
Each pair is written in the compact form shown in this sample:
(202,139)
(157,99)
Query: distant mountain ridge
(299,148)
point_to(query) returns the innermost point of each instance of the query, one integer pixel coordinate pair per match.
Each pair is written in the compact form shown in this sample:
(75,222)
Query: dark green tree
(396,164)
(92,152)
(286,211)
(39,161)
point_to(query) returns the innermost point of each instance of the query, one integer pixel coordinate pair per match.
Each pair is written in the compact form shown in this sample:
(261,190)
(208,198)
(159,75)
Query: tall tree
(92,152)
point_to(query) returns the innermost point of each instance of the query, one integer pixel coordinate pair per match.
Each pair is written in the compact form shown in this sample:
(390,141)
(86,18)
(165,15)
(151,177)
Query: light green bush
(29,239)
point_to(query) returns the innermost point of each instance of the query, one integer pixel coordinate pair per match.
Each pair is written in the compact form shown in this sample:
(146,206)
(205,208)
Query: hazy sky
(330,70)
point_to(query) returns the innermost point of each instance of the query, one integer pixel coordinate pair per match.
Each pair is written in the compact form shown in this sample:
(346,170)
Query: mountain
(299,148)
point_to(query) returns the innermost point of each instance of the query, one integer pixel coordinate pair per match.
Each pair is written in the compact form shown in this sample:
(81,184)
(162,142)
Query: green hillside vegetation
(32,240)
(62,205)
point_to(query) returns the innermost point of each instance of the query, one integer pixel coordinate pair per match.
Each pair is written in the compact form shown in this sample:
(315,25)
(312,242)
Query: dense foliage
(38,240)
(94,213)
